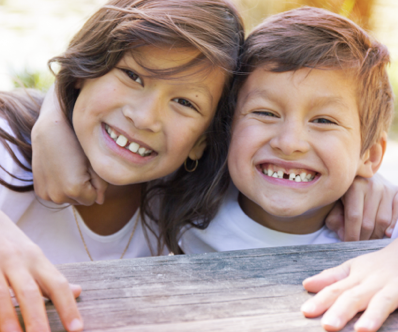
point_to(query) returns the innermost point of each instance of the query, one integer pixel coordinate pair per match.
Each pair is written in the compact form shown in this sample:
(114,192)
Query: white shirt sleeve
(12,203)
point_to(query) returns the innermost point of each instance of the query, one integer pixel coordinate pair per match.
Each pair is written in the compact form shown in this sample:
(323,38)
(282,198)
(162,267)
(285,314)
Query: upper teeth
(302,177)
(122,141)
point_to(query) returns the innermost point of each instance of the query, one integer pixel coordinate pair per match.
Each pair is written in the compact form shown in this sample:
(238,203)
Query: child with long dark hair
(143,85)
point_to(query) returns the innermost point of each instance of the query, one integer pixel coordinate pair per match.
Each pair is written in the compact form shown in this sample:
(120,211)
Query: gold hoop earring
(193,169)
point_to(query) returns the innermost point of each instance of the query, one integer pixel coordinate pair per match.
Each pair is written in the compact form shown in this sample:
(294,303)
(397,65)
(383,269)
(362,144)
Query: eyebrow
(316,103)
(264,94)
(323,101)
(200,88)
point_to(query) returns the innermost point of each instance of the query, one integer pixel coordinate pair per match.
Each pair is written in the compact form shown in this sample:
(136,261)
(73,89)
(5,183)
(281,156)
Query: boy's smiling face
(296,143)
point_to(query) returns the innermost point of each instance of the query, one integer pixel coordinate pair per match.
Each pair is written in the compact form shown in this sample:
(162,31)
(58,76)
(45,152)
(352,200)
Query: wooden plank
(250,290)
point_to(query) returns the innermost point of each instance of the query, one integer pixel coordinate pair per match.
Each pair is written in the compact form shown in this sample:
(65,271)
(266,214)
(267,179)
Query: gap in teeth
(298,176)
(123,142)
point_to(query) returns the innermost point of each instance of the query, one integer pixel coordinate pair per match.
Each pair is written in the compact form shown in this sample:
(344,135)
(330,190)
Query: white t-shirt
(53,227)
(232,229)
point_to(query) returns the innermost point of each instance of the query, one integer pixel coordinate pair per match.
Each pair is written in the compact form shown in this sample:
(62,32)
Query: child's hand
(25,269)
(369,281)
(62,173)
(370,210)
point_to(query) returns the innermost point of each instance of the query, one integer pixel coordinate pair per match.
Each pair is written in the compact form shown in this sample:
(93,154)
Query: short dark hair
(316,38)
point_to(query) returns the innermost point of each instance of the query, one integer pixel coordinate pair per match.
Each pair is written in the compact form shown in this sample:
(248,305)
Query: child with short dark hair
(313,104)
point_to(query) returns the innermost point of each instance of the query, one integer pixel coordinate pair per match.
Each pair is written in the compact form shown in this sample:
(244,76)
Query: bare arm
(62,173)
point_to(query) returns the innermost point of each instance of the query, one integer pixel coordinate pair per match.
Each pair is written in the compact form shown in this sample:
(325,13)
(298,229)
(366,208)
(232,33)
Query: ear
(198,149)
(372,158)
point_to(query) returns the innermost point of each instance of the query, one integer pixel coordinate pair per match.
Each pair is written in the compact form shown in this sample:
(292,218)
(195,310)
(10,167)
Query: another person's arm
(25,269)
(62,173)
(369,210)
(365,282)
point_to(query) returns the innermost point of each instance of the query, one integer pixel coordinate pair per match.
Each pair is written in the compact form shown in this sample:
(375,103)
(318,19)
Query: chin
(285,211)
(113,179)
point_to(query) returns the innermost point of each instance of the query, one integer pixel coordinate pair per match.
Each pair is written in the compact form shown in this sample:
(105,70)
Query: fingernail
(76,325)
(74,286)
(331,321)
(308,307)
(389,232)
(366,324)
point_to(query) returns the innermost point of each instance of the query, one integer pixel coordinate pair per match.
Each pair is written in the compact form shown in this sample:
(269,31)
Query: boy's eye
(133,76)
(265,113)
(323,121)
(184,102)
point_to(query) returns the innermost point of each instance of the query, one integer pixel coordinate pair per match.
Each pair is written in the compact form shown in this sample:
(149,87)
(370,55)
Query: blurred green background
(34,31)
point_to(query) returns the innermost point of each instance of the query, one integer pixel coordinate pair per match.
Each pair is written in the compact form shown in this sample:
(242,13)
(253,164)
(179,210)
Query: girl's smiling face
(135,128)
(296,142)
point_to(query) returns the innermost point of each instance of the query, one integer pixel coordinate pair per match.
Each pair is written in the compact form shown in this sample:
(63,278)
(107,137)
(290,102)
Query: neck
(307,223)
(121,202)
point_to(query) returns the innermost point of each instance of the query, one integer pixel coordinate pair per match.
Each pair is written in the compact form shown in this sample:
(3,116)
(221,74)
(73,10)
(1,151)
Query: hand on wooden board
(25,270)
(368,282)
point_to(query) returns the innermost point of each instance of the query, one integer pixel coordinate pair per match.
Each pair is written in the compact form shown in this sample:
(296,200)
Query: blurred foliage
(33,79)
(360,11)
(254,11)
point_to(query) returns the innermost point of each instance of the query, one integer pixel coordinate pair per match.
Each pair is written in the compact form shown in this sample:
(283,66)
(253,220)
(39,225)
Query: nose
(145,112)
(290,138)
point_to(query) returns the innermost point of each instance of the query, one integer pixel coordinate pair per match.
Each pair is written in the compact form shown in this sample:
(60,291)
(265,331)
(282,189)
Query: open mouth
(123,142)
(293,174)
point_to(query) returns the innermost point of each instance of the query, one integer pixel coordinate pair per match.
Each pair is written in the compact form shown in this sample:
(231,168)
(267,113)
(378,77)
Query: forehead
(307,86)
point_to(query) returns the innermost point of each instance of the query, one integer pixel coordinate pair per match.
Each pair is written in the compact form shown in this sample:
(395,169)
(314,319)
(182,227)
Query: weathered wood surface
(250,290)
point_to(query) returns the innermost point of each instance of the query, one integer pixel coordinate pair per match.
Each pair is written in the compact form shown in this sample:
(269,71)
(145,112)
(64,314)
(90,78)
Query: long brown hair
(20,108)
(215,29)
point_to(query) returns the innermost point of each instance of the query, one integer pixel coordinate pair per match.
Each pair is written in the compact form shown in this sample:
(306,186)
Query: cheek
(241,150)
(341,157)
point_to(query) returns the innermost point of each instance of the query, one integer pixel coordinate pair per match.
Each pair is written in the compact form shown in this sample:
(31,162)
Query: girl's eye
(323,121)
(133,76)
(184,102)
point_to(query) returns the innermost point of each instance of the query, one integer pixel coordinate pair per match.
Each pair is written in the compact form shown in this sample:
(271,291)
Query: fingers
(30,301)
(8,316)
(62,294)
(380,306)
(75,289)
(349,302)
(372,201)
(330,284)
(353,212)
(327,277)
(383,218)
(99,186)
(335,219)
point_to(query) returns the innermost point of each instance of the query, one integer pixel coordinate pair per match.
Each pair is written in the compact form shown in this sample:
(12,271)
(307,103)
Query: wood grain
(250,290)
